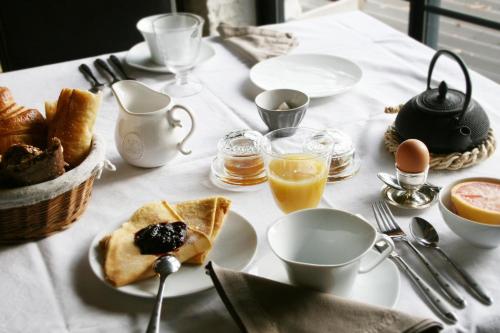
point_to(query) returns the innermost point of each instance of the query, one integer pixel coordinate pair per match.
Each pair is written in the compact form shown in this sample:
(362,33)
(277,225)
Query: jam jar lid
(243,142)
(343,144)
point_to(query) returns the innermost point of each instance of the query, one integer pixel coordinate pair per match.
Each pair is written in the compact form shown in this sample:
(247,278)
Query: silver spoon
(164,266)
(392,181)
(389,180)
(425,234)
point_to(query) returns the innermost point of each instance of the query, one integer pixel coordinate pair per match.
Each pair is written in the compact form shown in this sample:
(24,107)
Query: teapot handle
(468,84)
(177,123)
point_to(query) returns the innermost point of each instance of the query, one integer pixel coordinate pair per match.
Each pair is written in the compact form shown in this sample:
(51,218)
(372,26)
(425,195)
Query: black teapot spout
(463,137)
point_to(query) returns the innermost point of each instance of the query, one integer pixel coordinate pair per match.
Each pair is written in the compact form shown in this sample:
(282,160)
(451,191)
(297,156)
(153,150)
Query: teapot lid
(442,99)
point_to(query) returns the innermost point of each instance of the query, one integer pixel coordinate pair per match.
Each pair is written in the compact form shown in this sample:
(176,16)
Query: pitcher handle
(177,123)
(382,256)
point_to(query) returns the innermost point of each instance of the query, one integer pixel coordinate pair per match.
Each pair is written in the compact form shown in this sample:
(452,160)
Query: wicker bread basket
(37,211)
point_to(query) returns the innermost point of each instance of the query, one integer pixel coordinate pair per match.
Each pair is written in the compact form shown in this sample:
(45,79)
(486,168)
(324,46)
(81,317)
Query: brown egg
(412,156)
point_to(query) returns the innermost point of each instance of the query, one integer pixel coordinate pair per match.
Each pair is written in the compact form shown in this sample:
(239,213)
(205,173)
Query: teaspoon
(164,266)
(389,180)
(425,234)
(394,183)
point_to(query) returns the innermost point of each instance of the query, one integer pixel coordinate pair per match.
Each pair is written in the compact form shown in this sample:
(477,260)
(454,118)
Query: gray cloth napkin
(261,305)
(257,44)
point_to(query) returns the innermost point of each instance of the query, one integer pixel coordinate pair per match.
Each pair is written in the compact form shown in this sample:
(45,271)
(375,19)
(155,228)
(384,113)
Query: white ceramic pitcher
(147,134)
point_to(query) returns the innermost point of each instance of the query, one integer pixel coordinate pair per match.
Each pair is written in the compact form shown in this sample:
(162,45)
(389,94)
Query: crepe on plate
(123,262)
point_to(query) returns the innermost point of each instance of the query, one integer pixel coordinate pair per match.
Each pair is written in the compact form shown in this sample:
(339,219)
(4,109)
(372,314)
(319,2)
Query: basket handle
(105,164)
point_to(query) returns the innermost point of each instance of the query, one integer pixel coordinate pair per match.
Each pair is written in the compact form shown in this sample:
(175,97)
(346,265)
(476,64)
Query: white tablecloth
(47,286)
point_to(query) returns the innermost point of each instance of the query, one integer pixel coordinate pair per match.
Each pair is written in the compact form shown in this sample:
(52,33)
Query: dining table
(48,285)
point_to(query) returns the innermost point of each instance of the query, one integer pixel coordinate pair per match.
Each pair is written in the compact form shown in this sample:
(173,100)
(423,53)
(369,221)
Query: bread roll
(73,123)
(19,125)
(23,165)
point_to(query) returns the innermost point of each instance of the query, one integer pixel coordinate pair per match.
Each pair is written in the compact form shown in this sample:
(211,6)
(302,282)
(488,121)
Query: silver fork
(433,298)
(388,225)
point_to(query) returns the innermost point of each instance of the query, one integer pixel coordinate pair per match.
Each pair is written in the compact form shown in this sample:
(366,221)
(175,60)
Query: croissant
(73,121)
(18,124)
(6,98)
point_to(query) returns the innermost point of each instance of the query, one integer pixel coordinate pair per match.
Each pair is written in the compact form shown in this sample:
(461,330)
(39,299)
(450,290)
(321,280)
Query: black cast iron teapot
(445,119)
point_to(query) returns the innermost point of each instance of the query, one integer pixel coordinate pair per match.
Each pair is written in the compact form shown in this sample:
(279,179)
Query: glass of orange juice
(297,161)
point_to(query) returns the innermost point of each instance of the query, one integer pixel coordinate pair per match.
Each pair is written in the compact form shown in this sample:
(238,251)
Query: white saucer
(379,287)
(139,57)
(234,248)
(317,75)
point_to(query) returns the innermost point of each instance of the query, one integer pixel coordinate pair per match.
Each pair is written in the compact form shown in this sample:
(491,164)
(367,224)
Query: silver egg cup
(414,195)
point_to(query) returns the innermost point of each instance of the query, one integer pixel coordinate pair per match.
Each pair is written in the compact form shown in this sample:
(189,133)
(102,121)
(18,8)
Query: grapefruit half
(477,201)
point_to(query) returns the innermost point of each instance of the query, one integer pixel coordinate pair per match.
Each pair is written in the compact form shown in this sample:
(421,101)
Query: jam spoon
(164,266)
(425,234)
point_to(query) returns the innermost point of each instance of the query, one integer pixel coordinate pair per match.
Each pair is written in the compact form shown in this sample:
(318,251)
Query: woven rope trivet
(453,161)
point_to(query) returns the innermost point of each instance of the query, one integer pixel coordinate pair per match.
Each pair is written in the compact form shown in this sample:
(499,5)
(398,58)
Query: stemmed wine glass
(179,36)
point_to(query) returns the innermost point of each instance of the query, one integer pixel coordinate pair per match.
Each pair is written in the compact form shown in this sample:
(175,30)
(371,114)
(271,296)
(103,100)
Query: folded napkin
(261,305)
(257,44)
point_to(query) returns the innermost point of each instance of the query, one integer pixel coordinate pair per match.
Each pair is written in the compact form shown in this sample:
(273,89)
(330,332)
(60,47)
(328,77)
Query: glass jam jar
(239,161)
(344,162)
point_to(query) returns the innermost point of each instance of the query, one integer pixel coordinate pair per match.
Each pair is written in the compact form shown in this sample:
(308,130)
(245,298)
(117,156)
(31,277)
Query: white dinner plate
(317,75)
(379,287)
(234,248)
(139,57)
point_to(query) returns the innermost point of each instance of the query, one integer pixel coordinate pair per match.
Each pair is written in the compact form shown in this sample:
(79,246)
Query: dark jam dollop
(161,238)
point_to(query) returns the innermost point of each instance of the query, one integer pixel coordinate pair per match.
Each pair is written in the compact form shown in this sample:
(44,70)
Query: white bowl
(479,234)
